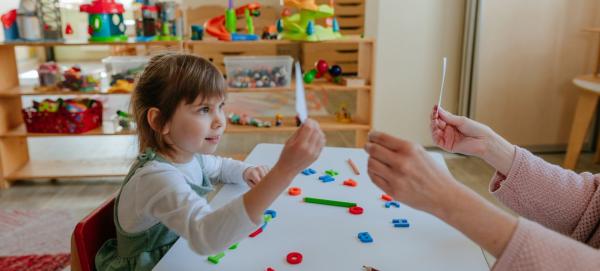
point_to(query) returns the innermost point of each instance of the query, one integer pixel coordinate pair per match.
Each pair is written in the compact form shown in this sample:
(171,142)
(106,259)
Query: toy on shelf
(39,19)
(9,25)
(343,115)
(146,19)
(49,76)
(224,27)
(197,32)
(170,21)
(63,116)
(123,121)
(122,72)
(75,79)
(244,119)
(269,33)
(258,72)
(302,26)
(322,69)
(105,21)
(278,120)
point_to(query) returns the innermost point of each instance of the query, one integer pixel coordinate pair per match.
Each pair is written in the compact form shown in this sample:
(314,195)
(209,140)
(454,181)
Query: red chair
(89,235)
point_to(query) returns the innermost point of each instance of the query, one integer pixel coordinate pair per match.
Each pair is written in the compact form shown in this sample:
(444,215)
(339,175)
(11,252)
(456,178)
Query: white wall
(412,37)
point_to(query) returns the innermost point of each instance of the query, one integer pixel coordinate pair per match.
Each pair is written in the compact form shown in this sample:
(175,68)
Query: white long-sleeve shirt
(158,192)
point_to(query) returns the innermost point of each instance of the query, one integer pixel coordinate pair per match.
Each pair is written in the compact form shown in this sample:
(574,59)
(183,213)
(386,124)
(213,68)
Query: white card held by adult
(444,64)
(300,97)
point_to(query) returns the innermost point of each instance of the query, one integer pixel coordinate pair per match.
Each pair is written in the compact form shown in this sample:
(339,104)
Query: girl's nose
(218,121)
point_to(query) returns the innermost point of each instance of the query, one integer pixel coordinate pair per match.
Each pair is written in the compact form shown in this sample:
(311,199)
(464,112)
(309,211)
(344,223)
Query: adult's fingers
(381,153)
(389,141)
(379,181)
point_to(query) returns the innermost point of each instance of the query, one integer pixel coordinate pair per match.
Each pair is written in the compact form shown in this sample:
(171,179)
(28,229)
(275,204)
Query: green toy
(302,26)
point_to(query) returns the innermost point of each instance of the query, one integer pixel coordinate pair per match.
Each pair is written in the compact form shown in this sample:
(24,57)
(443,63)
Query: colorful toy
(309,171)
(271,213)
(171,21)
(39,19)
(75,80)
(123,121)
(365,237)
(224,27)
(302,26)
(197,32)
(216,258)
(146,20)
(105,21)
(294,191)
(331,172)
(343,115)
(9,25)
(356,210)
(278,120)
(246,120)
(389,204)
(322,69)
(269,33)
(386,197)
(258,71)
(350,182)
(63,116)
(48,75)
(400,223)
(326,178)
(294,258)
(329,202)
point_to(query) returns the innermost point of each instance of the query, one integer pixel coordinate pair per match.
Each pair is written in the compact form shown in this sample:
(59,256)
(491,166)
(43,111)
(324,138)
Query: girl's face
(197,127)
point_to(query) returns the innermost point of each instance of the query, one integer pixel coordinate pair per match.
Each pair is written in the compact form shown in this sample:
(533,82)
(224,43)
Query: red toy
(386,197)
(294,258)
(255,233)
(322,68)
(350,182)
(294,191)
(356,210)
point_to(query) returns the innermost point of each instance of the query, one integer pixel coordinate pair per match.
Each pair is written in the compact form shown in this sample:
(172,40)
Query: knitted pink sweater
(565,204)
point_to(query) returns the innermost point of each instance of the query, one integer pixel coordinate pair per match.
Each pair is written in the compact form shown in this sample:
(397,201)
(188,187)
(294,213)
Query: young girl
(178,105)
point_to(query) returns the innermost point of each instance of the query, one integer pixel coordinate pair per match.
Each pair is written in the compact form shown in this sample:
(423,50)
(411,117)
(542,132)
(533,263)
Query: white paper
(300,97)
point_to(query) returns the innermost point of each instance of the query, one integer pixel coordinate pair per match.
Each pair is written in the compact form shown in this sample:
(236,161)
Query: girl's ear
(153,117)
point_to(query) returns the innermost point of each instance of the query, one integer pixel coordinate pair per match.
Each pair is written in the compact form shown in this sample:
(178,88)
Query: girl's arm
(225,170)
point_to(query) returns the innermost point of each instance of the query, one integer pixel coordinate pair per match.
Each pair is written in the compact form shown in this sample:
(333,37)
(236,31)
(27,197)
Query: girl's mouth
(213,139)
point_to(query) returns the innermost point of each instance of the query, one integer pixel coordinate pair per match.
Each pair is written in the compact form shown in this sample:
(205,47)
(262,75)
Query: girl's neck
(178,157)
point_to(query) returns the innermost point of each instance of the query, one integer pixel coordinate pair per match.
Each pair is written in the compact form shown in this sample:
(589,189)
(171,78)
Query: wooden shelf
(316,86)
(40,169)
(327,124)
(132,42)
(86,43)
(106,129)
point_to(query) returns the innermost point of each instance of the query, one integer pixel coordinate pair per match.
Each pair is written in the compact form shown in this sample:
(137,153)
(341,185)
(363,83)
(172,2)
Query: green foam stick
(329,202)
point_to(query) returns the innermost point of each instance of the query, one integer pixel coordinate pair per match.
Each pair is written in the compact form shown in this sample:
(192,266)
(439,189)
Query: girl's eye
(204,109)
(221,105)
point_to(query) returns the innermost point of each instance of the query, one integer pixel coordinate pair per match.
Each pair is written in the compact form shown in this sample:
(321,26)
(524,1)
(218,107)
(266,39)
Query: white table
(327,235)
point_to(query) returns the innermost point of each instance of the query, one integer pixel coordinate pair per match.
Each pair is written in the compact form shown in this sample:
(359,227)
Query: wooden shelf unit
(354,54)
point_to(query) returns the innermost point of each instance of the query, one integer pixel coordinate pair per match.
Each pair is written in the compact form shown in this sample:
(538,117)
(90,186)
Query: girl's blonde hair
(167,81)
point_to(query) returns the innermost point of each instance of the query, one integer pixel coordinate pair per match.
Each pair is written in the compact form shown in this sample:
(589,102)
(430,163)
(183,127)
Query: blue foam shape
(399,220)
(270,212)
(389,204)
(365,237)
(309,171)
(326,178)
(401,225)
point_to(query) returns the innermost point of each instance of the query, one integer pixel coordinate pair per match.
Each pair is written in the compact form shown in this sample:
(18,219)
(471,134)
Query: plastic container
(124,67)
(258,71)
(62,120)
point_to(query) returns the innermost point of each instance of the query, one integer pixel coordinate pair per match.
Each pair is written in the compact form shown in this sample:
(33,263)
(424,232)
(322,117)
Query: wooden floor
(85,195)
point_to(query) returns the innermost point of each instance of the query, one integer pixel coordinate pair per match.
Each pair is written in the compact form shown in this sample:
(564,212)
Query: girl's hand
(302,148)
(407,173)
(253,175)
